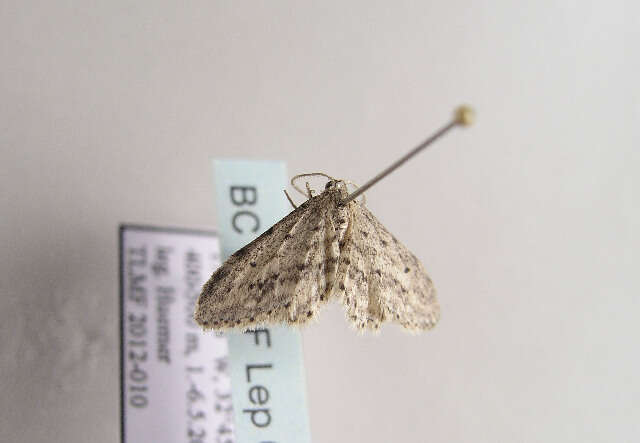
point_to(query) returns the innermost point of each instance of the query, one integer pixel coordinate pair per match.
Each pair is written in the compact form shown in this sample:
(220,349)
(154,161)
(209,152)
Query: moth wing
(280,277)
(381,280)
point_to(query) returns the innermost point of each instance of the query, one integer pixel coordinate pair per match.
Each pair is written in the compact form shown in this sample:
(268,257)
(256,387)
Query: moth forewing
(281,277)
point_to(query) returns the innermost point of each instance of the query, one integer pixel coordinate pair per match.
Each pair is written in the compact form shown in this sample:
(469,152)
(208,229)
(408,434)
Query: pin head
(464,115)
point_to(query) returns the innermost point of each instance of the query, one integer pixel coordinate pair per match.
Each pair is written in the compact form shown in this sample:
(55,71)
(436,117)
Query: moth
(329,248)
(325,249)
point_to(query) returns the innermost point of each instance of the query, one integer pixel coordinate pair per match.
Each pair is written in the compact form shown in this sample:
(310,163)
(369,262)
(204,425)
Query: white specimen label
(174,377)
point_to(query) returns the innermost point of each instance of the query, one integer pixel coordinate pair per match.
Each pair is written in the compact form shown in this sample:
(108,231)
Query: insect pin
(330,247)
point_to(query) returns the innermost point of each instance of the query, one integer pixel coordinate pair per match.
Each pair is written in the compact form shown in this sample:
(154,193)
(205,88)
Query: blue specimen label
(267,373)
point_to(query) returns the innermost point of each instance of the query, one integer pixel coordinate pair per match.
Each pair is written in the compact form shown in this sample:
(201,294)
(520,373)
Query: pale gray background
(110,111)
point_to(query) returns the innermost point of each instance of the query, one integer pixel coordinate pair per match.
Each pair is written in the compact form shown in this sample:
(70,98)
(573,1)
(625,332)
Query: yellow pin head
(465,115)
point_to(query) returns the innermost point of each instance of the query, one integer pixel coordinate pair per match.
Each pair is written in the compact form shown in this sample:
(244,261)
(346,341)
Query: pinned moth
(330,247)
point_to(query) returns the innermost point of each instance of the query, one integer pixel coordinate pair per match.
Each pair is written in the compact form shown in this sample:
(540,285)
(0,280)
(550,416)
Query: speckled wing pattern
(284,275)
(381,280)
(322,249)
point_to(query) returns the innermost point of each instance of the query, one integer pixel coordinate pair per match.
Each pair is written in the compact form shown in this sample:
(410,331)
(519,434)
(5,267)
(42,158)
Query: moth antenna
(289,198)
(311,174)
(463,116)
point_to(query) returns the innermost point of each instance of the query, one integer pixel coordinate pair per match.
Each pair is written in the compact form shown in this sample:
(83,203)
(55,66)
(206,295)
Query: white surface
(110,112)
